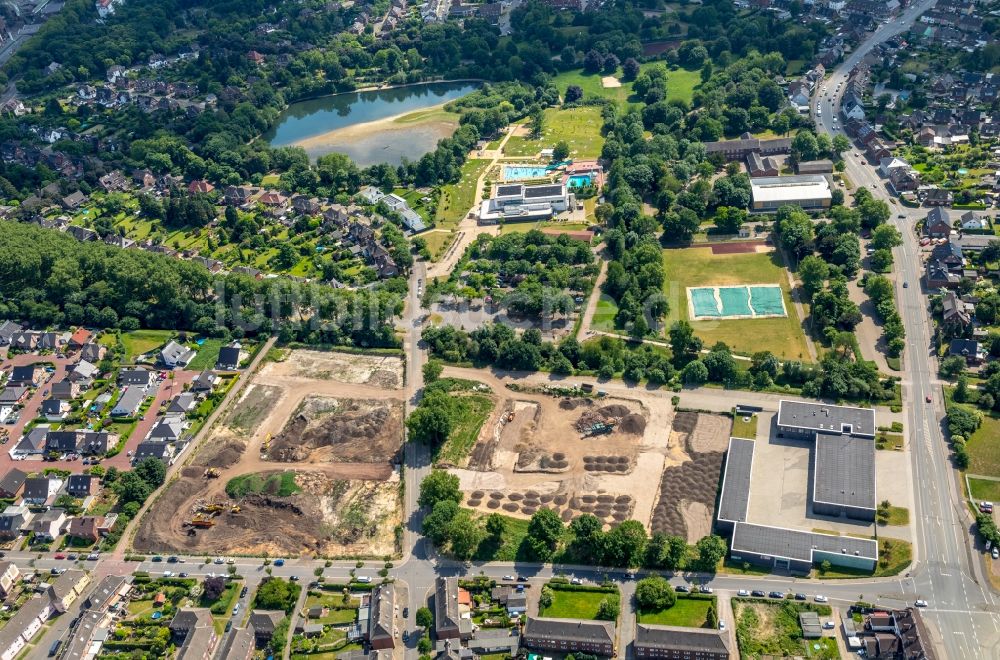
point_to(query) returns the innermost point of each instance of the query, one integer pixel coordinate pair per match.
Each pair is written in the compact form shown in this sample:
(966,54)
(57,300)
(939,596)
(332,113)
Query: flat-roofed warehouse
(807,191)
(805,419)
(735,499)
(797,550)
(844,476)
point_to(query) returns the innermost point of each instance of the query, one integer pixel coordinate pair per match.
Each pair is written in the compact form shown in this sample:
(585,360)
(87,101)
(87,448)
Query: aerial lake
(378,126)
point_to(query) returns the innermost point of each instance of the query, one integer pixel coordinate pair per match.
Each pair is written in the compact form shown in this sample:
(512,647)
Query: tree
(560,151)
(881,261)
(276,594)
(625,545)
(432,371)
(729,219)
(682,339)
(425,645)
(496,525)
(630,68)
(465,536)
(437,523)
(874,212)
(813,272)
(588,539)
(680,225)
(425,618)
(711,549)
(438,486)
(573,94)
(130,487)
(712,617)
(213,587)
(695,373)
(152,471)
(654,593)
(544,531)
(430,423)
(841,143)
(609,608)
(546,597)
(951,366)
(886,237)
(537,124)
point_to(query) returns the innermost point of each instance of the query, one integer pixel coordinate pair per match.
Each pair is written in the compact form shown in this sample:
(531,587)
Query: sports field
(735,302)
(701,268)
(579,127)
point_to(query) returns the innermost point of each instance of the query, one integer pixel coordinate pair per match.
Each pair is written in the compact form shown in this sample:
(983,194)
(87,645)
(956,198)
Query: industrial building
(811,192)
(516,202)
(843,484)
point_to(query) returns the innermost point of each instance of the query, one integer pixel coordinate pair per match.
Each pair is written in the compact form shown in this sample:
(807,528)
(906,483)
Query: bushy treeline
(48,278)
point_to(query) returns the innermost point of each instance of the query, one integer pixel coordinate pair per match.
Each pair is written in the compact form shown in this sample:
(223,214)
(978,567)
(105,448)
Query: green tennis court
(736,302)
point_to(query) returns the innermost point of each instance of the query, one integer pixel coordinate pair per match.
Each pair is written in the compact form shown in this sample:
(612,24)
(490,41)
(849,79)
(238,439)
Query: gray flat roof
(531,192)
(798,545)
(822,417)
(735,499)
(844,471)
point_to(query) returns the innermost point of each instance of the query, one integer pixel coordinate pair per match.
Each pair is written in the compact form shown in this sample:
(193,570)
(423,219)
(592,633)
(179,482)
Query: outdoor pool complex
(524,172)
(579,181)
(745,301)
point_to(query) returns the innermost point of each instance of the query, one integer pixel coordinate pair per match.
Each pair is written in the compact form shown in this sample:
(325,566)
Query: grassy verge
(573,604)
(690,611)
(984,489)
(743,429)
(475,408)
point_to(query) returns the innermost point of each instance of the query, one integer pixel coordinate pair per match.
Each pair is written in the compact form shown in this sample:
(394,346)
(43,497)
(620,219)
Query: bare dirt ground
(324,429)
(348,491)
(687,491)
(609,82)
(573,455)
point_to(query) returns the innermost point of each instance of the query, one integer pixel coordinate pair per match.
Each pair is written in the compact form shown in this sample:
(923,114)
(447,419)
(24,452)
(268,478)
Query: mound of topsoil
(356,432)
(632,423)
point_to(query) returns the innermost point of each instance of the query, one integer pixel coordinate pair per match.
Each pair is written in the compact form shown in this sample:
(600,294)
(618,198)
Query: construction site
(306,464)
(577,451)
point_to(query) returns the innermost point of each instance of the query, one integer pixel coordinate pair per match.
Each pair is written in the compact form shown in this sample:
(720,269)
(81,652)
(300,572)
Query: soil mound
(633,423)
(353,431)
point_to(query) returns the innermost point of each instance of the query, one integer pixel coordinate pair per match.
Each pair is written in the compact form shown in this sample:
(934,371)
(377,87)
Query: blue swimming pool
(579,180)
(523,172)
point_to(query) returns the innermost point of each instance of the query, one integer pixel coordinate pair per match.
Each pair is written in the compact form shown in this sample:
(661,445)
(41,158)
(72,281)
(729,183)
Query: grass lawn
(573,604)
(604,315)
(139,342)
(462,438)
(743,429)
(687,611)
(456,198)
(984,489)
(437,241)
(898,516)
(208,355)
(983,448)
(514,532)
(579,127)
(681,84)
(270,180)
(698,266)
(591,85)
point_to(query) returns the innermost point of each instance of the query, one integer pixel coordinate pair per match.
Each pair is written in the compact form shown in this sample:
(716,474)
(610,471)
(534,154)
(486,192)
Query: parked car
(293,578)
(243,592)
(682,589)
(776,594)
(182,575)
(920,603)
(722,625)
(168,573)
(819,598)
(220,560)
(828,625)
(157,558)
(800,596)
(60,556)
(576,581)
(757,593)
(509,578)
(996,552)
(743,592)
(172,559)
(279,562)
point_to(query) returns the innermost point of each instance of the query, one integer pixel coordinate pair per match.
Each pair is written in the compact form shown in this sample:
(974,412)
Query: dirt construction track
(314,463)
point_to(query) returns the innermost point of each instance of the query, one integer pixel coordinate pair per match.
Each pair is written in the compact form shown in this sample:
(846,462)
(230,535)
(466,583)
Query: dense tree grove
(51,279)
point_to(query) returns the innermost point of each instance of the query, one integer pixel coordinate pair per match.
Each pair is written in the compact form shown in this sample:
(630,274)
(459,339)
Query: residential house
(12,483)
(23,626)
(48,525)
(54,409)
(937,224)
(904,180)
(381,613)
(80,338)
(240,644)
(85,528)
(11,396)
(204,382)
(137,378)
(758,166)
(182,403)
(83,372)
(229,358)
(570,636)
(25,340)
(451,620)
(168,429)
(972,351)
(799,95)
(263,623)
(152,449)
(681,643)
(7,330)
(26,376)
(305,205)
(513,600)
(38,490)
(955,314)
(10,576)
(92,352)
(96,442)
(975,221)
(938,197)
(51,341)
(176,355)
(66,588)
(83,485)
(193,630)
(65,390)
(12,520)
(73,200)
(200,186)
(32,443)
(129,402)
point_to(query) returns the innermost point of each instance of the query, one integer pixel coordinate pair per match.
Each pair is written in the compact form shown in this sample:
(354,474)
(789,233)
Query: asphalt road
(948,572)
